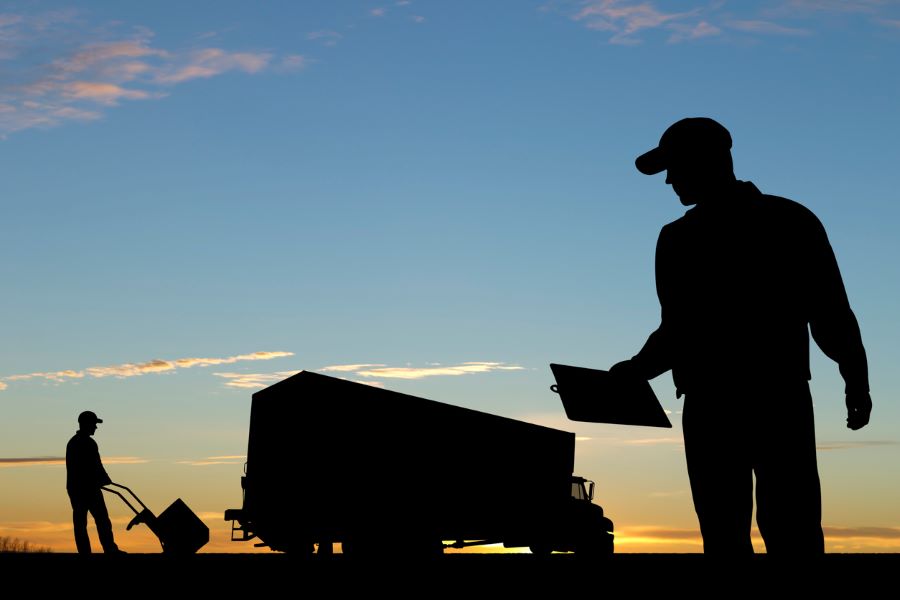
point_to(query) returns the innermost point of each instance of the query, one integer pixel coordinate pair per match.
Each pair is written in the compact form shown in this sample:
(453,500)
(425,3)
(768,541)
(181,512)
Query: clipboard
(596,396)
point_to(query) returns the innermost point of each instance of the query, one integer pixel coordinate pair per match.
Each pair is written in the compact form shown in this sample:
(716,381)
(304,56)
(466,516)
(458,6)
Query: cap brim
(98,421)
(652,162)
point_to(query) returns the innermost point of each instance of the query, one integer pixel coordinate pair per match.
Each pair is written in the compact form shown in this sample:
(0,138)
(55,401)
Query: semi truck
(335,461)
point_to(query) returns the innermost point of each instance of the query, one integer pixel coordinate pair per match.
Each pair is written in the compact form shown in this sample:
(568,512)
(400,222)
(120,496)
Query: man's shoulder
(81,441)
(786,206)
(752,200)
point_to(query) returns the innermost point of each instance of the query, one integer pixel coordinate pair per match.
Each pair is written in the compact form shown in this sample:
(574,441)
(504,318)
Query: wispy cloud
(650,534)
(656,441)
(349,368)
(59,68)
(378,12)
(765,27)
(881,533)
(839,6)
(467,368)
(137,369)
(418,18)
(254,380)
(214,460)
(209,62)
(368,372)
(43,461)
(627,21)
(625,18)
(693,32)
(102,93)
(378,384)
(854,444)
(325,36)
(260,380)
(32,461)
(294,62)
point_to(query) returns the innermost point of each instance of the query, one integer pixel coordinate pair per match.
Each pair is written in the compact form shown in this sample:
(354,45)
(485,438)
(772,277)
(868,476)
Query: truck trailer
(335,461)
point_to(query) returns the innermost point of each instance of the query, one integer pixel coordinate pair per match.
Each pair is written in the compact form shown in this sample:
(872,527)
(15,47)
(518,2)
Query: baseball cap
(88,417)
(691,136)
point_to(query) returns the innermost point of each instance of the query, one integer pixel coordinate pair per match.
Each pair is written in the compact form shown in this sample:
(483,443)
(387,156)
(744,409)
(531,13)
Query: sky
(200,199)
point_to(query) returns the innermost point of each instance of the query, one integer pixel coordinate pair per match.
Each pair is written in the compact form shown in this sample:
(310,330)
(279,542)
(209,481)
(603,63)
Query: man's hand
(859,407)
(625,369)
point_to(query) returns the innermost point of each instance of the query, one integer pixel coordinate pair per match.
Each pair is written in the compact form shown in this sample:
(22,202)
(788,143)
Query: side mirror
(591,490)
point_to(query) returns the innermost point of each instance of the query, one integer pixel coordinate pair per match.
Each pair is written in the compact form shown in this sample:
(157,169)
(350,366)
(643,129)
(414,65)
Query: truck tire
(541,549)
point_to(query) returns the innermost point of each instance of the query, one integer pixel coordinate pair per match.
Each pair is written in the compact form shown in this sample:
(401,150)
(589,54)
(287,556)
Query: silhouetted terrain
(472,575)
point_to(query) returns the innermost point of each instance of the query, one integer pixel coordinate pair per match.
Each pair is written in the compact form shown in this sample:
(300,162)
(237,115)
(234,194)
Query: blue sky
(442,187)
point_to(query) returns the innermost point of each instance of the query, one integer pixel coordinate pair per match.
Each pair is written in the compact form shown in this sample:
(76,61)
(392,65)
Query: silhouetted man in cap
(85,476)
(742,279)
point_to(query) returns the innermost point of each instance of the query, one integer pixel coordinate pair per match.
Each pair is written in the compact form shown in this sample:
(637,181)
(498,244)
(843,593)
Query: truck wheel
(541,549)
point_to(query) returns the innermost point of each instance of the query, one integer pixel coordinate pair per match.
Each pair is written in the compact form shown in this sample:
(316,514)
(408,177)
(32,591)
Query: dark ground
(560,575)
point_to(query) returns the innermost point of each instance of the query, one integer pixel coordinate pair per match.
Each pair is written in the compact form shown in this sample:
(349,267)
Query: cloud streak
(349,368)
(627,21)
(57,71)
(765,27)
(658,441)
(126,370)
(624,18)
(213,460)
(368,372)
(838,6)
(693,32)
(467,368)
(853,445)
(878,533)
(254,380)
(44,461)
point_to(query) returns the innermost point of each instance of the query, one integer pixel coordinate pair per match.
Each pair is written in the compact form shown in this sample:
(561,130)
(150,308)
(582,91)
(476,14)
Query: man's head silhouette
(696,155)
(87,422)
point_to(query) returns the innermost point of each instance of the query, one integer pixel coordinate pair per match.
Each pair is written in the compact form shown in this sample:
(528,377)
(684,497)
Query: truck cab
(582,527)
(582,489)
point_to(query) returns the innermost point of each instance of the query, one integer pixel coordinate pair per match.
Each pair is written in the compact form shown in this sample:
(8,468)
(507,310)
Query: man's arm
(655,358)
(835,329)
(101,475)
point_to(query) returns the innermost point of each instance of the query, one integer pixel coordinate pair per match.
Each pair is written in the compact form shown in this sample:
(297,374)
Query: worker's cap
(694,136)
(88,417)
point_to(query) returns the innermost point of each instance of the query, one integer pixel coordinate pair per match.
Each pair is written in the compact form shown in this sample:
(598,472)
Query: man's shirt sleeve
(831,321)
(101,475)
(655,358)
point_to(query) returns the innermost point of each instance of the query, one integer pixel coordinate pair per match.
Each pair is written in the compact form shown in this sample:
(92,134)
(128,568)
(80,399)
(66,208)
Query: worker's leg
(720,473)
(101,520)
(788,496)
(79,523)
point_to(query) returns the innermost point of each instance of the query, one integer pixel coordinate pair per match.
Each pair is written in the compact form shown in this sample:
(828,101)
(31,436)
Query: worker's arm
(655,358)
(100,474)
(834,326)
